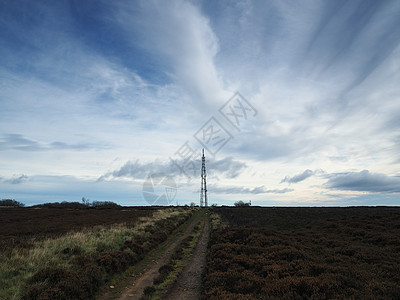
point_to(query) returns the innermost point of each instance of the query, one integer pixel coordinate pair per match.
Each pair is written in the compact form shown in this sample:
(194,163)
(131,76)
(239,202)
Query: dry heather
(76,264)
(305,253)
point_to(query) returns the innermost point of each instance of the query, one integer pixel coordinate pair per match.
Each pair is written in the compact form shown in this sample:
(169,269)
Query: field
(304,253)
(73,253)
(215,253)
(23,225)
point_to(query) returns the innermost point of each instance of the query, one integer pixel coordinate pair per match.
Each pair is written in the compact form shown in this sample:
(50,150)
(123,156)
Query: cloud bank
(364,181)
(226,167)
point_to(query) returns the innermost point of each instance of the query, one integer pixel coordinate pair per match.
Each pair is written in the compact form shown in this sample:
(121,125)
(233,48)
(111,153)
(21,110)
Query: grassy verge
(77,264)
(169,273)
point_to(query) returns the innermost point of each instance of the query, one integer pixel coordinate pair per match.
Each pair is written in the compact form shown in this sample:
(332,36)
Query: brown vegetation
(19,226)
(64,263)
(305,253)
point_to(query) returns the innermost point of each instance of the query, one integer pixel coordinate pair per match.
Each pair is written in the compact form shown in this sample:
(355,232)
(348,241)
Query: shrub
(163,273)
(11,202)
(116,261)
(63,204)
(56,283)
(148,291)
(134,247)
(242,204)
(104,204)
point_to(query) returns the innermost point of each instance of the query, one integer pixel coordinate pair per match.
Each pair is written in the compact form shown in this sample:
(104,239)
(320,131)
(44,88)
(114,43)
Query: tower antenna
(203,194)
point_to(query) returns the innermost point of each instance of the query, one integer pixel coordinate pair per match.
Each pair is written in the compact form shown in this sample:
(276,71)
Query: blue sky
(96,96)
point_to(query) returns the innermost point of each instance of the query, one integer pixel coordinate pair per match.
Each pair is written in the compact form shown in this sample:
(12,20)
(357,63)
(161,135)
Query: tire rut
(189,283)
(137,286)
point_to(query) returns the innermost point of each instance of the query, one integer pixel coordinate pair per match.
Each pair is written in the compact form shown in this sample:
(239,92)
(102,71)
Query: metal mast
(203,195)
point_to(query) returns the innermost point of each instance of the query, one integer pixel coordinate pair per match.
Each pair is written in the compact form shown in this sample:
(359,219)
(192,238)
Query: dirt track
(188,285)
(136,287)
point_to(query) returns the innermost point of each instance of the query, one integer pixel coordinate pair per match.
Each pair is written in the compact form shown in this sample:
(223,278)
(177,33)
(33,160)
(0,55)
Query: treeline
(63,204)
(11,202)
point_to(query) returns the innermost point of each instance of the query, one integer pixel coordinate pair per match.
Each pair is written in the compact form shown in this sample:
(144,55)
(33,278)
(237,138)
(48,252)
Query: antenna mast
(203,194)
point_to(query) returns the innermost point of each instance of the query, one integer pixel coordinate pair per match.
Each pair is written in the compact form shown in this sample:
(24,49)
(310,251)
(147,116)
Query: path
(188,285)
(136,288)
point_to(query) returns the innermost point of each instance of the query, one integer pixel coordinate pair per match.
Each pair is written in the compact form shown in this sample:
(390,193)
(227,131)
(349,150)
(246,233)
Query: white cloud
(142,78)
(178,33)
(226,168)
(216,189)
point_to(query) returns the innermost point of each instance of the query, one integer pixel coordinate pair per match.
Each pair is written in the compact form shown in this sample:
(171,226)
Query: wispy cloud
(17,179)
(245,190)
(302,176)
(299,177)
(135,81)
(21,143)
(182,36)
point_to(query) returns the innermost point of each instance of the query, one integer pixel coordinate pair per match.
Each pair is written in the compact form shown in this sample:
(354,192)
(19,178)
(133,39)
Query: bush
(63,204)
(148,292)
(60,283)
(11,202)
(116,261)
(163,273)
(104,204)
(241,204)
(84,204)
(55,283)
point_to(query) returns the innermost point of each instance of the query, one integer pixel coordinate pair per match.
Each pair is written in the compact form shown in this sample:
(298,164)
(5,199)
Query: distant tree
(85,201)
(104,204)
(85,204)
(192,204)
(11,202)
(240,203)
(63,204)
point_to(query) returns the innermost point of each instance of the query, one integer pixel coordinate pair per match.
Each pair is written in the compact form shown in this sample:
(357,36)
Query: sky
(296,103)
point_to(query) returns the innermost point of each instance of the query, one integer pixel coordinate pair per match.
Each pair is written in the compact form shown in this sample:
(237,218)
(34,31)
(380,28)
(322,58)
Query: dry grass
(19,265)
(216,221)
